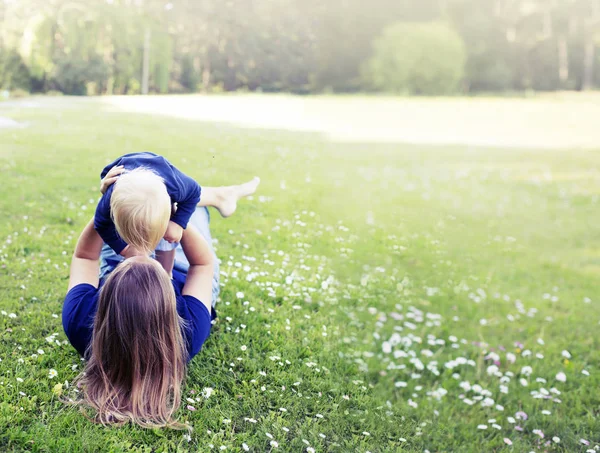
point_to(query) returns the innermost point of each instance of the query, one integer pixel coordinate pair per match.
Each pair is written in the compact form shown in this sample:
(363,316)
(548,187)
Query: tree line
(301,46)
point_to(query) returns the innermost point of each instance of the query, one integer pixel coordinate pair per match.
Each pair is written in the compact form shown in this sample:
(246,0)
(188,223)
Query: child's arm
(103,222)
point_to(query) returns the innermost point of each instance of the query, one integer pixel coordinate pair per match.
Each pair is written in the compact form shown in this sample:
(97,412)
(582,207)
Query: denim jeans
(200,220)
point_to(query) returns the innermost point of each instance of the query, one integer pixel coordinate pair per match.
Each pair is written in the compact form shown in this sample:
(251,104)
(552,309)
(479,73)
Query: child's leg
(166,258)
(225,198)
(165,255)
(108,261)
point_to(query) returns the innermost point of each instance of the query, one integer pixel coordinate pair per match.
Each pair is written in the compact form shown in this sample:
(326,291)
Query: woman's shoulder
(197,321)
(80,299)
(79,309)
(80,290)
(188,301)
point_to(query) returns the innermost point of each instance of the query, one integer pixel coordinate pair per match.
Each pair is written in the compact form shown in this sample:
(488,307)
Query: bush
(72,75)
(491,58)
(421,58)
(134,87)
(489,70)
(14,73)
(189,77)
(19,93)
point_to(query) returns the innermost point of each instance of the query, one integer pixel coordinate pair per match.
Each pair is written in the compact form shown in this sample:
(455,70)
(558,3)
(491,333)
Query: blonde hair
(141,208)
(137,356)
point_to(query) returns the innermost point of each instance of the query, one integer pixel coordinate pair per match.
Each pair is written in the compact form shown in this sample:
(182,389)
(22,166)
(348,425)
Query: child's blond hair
(141,208)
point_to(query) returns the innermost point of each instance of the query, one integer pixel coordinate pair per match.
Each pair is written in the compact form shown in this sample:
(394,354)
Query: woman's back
(137,357)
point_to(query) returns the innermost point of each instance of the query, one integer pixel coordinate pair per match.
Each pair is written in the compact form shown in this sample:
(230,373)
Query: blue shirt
(182,189)
(81,304)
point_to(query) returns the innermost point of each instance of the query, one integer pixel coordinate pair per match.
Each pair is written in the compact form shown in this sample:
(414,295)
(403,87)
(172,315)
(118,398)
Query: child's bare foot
(228,196)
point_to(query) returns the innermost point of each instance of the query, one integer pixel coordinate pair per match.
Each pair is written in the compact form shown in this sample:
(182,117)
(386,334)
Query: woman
(137,327)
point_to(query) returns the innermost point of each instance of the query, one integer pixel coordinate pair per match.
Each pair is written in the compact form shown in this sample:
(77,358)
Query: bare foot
(228,196)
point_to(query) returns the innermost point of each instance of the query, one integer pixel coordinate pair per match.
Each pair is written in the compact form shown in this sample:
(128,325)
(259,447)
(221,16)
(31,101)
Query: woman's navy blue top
(81,304)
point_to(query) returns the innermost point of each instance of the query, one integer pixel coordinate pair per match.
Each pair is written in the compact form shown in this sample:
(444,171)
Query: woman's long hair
(137,356)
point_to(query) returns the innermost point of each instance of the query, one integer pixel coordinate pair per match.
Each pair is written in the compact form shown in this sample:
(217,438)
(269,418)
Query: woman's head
(137,355)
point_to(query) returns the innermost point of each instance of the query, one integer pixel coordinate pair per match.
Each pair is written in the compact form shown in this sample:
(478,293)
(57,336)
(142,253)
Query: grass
(371,284)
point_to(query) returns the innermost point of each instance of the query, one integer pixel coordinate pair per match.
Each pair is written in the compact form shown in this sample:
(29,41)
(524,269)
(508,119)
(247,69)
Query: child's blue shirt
(182,189)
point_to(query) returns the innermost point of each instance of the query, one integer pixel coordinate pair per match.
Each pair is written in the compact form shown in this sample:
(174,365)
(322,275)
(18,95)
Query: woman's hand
(173,233)
(110,178)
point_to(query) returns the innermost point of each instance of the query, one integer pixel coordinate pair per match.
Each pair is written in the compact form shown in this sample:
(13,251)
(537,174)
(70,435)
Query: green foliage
(491,61)
(418,58)
(161,57)
(72,74)
(307,46)
(189,77)
(543,66)
(19,93)
(126,58)
(41,51)
(14,73)
(134,87)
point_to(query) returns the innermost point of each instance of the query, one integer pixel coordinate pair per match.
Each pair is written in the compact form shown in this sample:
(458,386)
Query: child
(137,211)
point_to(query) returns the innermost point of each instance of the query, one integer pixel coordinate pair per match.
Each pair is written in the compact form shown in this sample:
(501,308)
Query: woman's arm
(198,282)
(84,264)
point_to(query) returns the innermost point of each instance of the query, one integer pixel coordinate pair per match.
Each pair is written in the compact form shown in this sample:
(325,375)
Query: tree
(132,46)
(417,59)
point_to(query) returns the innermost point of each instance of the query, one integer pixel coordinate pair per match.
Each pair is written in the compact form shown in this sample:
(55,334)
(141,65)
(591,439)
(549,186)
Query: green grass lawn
(375,297)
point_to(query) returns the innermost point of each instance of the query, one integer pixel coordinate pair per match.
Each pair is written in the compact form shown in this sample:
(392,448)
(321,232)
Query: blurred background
(423,47)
